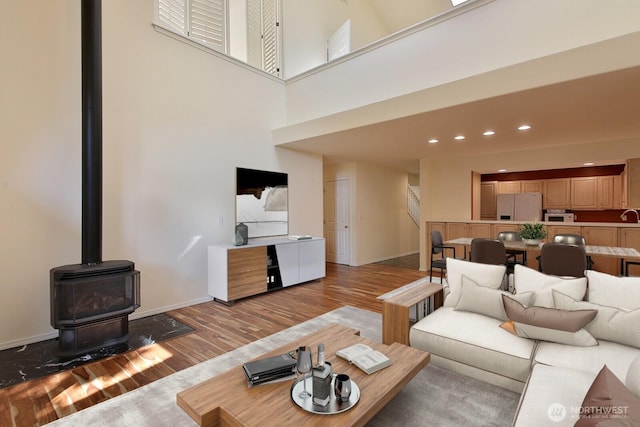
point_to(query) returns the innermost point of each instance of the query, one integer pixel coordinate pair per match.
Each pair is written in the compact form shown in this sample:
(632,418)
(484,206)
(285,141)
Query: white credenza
(240,271)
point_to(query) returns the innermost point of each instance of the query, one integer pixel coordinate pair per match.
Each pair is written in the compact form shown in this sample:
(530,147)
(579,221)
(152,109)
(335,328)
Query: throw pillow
(612,291)
(483,274)
(633,377)
(549,324)
(608,402)
(487,301)
(529,280)
(611,323)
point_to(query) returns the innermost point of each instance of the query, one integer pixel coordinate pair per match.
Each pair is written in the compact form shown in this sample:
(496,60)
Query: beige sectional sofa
(553,368)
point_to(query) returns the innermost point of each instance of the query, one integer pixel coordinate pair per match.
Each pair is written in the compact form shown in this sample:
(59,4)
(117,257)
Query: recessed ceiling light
(489,133)
(433,141)
(459,137)
(524,127)
(502,170)
(589,164)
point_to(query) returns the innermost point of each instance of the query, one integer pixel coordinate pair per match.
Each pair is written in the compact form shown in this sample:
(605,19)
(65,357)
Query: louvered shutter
(172,13)
(263,32)
(254,33)
(270,36)
(208,22)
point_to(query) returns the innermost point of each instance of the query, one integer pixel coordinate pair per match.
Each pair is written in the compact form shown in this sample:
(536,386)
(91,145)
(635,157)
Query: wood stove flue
(91,302)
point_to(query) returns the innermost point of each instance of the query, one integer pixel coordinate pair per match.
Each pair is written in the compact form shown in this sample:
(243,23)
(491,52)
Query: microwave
(558,217)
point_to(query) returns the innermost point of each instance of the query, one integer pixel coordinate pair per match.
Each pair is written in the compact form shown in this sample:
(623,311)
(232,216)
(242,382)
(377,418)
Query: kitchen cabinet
(557,193)
(509,187)
(532,186)
(584,193)
(603,236)
(488,200)
(631,185)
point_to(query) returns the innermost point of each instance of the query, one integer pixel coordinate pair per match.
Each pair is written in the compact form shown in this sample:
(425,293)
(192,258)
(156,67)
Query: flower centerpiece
(532,233)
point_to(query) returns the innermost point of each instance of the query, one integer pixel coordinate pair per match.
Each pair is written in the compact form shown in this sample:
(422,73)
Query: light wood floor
(218,329)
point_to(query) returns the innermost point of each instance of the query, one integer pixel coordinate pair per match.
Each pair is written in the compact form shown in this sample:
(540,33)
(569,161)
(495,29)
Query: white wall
(308,24)
(496,35)
(177,121)
(381,228)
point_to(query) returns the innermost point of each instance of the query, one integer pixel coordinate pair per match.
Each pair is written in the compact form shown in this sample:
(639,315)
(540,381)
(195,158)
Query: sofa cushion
(475,340)
(548,324)
(611,323)
(609,401)
(526,279)
(490,276)
(552,396)
(617,357)
(487,301)
(612,291)
(633,377)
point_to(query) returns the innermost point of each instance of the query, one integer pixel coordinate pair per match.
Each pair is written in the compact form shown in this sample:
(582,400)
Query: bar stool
(627,264)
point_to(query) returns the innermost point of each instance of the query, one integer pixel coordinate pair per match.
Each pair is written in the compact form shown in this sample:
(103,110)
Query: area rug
(40,359)
(435,397)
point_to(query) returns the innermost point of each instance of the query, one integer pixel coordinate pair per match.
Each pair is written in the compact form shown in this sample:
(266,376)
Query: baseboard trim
(136,315)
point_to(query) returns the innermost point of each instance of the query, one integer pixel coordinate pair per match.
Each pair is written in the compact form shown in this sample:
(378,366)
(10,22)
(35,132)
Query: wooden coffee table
(226,400)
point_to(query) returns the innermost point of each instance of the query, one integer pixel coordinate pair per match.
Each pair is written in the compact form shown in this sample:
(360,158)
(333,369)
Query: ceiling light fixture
(502,170)
(489,133)
(524,127)
(459,137)
(433,141)
(589,164)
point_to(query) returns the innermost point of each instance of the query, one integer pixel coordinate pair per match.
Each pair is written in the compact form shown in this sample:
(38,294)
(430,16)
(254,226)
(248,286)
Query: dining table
(608,251)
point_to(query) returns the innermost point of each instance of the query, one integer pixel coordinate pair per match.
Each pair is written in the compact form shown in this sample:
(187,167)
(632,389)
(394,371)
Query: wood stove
(91,302)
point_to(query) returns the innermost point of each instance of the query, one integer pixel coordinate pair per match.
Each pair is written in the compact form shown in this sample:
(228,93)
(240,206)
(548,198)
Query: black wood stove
(91,302)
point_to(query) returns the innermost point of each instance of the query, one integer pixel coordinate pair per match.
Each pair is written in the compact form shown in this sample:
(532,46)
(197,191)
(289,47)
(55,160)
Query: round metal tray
(333,407)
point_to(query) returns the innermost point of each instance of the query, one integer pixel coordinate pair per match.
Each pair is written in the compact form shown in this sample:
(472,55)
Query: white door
(337,231)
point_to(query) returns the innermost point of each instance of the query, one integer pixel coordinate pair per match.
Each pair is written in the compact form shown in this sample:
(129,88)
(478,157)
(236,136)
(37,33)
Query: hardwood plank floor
(218,329)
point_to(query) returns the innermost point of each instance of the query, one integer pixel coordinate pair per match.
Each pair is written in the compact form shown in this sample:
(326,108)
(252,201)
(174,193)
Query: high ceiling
(603,107)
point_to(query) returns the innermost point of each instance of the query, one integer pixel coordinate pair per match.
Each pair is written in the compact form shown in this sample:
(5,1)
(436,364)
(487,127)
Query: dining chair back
(488,251)
(574,239)
(561,259)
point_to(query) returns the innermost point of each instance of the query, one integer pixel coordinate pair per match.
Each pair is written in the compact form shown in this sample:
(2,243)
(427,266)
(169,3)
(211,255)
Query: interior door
(337,231)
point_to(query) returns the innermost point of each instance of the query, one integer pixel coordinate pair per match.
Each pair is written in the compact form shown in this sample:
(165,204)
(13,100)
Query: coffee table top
(226,400)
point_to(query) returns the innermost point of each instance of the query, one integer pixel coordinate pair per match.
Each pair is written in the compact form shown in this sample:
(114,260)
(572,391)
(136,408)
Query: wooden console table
(226,400)
(395,310)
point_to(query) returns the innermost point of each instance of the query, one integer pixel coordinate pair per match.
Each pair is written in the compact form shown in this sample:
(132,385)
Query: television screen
(262,202)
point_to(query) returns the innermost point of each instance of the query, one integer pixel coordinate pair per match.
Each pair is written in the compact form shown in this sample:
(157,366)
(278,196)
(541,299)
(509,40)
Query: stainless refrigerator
(519,207)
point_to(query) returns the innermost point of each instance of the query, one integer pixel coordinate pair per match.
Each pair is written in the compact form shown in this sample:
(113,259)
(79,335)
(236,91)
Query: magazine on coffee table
(364,357)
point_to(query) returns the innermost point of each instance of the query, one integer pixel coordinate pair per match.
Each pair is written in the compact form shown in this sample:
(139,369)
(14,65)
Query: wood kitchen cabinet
(532,186)
(595,193)
(603,236)
(557,193)
(631,184)
(509,187)
(488,201)
(584,193)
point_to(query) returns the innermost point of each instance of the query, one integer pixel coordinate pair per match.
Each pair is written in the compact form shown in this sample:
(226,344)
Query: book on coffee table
(364,357)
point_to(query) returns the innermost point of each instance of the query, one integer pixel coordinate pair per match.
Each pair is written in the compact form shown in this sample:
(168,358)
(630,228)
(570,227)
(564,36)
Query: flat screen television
(262,202)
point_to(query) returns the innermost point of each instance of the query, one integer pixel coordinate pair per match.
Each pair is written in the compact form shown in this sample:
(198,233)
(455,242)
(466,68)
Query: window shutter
(263,32)
(270,36)
(172,13)
(208,21)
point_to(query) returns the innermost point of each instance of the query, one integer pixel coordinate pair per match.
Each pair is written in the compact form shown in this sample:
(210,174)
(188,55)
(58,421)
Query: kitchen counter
(547,223)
